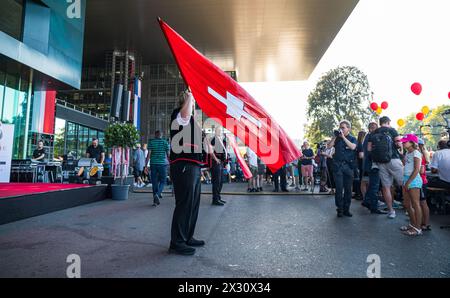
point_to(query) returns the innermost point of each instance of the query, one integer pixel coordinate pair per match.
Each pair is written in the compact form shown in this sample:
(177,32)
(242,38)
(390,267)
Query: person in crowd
(252,160)
(205,176)
(219,158)
(279,180)
(227,172)
(440,164)
(96,152)
(139,164)
(324,176)
(261,172)
(39,153)
(158,158)
(296,175)
(383,144)
(343,167)
(185,164)
(359,163)
(269,176)
(145,171)
(307,166)
(425,225)
(412,184)
(329,152)
(370,181)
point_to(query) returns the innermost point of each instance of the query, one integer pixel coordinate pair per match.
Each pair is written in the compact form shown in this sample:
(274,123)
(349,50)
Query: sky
(395,43)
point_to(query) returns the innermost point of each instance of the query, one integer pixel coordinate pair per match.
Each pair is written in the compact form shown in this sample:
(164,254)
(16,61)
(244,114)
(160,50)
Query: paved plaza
(251,236)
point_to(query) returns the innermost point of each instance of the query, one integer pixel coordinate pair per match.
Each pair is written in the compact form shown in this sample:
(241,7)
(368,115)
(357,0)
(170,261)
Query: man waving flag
(226,102)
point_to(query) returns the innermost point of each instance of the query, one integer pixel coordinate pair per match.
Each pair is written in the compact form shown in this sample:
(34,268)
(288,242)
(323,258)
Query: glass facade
(161,87)
(95,92)
(14,86)
(73,139)
(11,18)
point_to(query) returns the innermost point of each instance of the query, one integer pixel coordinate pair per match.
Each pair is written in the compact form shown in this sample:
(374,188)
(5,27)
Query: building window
(11,18)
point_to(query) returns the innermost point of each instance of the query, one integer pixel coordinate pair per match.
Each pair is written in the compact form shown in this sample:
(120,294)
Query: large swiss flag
(224,100)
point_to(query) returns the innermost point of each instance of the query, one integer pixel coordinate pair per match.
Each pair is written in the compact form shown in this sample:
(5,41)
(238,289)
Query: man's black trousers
(343,177)
(186,182)
(217,180)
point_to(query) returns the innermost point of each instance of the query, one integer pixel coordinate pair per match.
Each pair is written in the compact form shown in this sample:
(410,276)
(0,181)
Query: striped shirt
(158,151)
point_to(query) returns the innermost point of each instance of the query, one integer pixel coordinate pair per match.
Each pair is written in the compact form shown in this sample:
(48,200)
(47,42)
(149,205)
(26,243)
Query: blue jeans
(158,175)
(373,188)
(343,177)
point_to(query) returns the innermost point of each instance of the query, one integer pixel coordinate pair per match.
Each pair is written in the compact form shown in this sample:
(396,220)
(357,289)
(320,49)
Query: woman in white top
(412,184)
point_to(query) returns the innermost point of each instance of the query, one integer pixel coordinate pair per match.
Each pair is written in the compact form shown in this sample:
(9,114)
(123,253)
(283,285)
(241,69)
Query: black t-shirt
(95,152)
(393,134)
(38,152)
(307,153)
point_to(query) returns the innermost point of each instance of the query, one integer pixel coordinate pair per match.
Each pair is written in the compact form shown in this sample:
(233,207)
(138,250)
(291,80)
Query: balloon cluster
(379,108)
(423,113)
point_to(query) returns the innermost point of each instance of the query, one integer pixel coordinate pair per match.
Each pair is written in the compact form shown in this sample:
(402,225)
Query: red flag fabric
(226,102)
(240,160)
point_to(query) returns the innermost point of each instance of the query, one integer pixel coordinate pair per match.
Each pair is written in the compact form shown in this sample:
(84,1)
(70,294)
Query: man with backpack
(383,146)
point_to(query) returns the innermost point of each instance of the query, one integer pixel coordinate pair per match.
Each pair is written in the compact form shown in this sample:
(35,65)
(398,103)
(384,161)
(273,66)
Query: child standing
(412,184)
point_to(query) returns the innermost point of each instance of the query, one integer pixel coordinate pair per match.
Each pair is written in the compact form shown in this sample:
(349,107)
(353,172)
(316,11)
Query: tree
(431,135)
(342,93)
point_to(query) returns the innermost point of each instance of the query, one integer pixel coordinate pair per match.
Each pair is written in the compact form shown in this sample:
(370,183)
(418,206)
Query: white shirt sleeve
(182,121)
(417,154)
(435,161)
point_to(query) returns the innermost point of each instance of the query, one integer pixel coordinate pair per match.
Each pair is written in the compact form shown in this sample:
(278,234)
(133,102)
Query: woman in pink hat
(412,184)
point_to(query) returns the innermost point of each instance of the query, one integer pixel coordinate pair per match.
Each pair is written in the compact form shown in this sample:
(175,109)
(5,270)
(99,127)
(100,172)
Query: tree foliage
(342,93)
(431,135)
(121,135)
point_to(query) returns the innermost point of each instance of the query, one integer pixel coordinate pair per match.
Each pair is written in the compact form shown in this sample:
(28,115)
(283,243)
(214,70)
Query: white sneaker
(391,215)
(135,184)
(381,204)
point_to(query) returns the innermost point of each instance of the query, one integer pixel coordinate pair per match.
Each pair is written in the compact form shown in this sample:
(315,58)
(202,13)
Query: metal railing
(82,110)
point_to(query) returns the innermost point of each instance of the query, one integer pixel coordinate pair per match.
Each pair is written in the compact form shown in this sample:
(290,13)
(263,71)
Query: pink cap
(410,138)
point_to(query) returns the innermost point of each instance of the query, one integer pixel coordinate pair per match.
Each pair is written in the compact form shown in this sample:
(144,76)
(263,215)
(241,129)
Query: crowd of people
(379,167)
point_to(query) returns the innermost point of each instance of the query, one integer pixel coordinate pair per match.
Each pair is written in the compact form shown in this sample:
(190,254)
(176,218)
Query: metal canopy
(262,40)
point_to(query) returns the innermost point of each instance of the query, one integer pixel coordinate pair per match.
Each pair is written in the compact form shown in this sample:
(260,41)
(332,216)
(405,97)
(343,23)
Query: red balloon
(449,95)
(374,106)
(384,105)
(420,116)
(416,88)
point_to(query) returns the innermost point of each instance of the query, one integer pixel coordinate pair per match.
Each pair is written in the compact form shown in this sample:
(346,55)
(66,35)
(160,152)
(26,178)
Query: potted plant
(120,137)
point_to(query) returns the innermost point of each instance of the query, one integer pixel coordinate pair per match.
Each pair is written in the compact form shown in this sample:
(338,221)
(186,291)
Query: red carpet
(20,189)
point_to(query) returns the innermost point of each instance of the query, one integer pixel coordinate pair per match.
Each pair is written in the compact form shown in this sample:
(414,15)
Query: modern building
(41,51)
(60,60)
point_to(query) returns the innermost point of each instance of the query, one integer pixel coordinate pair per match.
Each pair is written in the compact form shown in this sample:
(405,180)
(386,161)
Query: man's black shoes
(340,213)
(365,204)
(217,203)
(155,200)
(182,250)
(195,242)
(348,214)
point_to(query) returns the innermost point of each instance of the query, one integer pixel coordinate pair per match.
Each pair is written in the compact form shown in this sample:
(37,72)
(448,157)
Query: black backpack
(381,147)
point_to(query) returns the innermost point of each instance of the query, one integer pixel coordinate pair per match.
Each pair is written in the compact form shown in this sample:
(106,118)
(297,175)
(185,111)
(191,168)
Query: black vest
(186,141)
